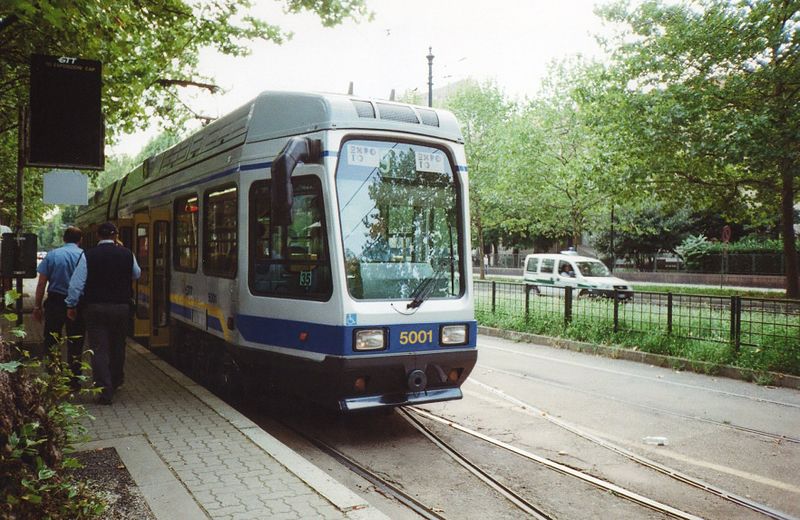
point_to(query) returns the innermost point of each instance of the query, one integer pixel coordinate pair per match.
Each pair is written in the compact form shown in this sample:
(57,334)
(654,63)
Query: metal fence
(734,320)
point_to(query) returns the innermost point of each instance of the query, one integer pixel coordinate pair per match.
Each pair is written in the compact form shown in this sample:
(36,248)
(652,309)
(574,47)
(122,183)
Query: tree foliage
(483,111)
(706,93)
(564,173)
(147,50)
(641,229)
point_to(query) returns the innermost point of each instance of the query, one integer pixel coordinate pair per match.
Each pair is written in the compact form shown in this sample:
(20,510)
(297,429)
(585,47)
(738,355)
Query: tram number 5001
(416,337)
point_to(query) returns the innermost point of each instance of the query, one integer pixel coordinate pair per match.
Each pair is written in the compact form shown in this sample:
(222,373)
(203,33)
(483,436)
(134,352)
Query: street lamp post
(430,76)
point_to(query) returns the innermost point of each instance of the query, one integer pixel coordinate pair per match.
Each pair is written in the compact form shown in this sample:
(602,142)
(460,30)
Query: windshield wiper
(424,289)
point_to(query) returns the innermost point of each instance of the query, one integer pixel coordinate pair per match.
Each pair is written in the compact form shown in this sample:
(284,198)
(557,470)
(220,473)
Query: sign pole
(22,132)
(726,238)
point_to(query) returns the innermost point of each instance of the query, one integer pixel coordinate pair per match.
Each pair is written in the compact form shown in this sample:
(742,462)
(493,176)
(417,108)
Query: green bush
(753,245)
(693,249)
(751,255)
(38,429)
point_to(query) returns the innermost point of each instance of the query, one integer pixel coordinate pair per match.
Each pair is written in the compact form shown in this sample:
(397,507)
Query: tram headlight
(369,339)
(453,335)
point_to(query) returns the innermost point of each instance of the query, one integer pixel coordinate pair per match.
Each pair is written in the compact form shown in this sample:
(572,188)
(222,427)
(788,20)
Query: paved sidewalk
(193,456)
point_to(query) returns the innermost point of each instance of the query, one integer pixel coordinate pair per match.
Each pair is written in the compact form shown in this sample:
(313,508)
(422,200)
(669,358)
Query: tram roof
(277,114)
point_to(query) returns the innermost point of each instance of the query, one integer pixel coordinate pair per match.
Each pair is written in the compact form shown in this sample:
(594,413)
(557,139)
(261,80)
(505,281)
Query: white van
(587,276)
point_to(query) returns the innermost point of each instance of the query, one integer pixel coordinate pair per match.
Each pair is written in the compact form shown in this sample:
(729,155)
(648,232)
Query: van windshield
(590,269)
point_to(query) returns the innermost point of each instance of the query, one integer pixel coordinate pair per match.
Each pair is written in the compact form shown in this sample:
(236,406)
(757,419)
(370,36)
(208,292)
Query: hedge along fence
(739,263)
(755,333)
(747,256)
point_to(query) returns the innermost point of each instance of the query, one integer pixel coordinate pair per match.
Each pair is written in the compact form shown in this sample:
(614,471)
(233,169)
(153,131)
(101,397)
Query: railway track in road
(507,498)
(561,468)
(389,488)
(657,466)
(384,485)
(761,433)
(520,502)
(523,505)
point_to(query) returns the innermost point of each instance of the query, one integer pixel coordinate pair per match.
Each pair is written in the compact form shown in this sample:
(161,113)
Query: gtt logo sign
(64,60)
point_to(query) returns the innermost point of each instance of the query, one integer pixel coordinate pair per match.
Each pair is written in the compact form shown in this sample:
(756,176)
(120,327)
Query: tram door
(161,258)
(141,247)
(125,226)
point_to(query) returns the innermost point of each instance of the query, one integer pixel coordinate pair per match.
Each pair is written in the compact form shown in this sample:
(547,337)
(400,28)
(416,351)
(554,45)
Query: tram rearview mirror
(297,150)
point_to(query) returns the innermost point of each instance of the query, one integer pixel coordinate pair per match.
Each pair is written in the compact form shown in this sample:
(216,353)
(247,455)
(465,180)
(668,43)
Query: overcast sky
(508,41)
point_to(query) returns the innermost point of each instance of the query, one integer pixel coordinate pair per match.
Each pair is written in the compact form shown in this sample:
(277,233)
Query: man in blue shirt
(55,272)
(103,282)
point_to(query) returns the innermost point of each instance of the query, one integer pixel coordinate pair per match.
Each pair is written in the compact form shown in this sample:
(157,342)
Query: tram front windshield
(399,206)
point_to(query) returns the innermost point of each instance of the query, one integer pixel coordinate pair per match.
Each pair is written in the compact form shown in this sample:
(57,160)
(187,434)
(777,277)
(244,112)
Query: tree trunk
(481,253)
(787,230)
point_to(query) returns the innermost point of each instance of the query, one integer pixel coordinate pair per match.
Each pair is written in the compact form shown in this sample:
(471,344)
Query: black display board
(18,257)
(66,119)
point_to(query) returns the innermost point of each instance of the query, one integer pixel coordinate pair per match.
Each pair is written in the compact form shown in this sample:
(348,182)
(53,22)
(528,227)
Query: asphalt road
(711,427)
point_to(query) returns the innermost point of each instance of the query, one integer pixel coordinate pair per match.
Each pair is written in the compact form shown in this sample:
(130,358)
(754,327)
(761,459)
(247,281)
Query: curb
(660,360)
(350,504)
(163,492)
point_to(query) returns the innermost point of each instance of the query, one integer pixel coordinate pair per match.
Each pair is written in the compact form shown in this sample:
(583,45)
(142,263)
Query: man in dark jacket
(103,282)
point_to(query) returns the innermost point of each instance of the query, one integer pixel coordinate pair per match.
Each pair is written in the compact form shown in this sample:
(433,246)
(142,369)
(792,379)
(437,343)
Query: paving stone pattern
(228,475)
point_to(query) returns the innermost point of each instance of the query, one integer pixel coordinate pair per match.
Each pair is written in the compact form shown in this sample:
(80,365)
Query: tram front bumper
(352,404)
(381,381)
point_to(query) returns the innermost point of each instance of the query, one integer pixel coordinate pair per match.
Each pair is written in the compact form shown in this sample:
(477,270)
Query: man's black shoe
(104,400)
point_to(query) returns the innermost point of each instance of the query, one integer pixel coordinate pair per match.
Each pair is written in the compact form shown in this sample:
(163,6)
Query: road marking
(724,469)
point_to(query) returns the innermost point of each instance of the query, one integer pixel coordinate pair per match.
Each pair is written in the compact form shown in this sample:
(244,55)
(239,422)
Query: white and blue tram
(320,242)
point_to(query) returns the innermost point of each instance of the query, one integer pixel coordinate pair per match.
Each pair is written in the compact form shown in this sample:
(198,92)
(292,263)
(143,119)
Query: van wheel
(583,293)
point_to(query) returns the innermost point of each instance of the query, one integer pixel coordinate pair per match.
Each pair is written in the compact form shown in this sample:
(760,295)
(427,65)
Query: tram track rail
(389,489)
(424,511)
(560,468)
(383,485)
(644,461)
(519,501)
(769,435)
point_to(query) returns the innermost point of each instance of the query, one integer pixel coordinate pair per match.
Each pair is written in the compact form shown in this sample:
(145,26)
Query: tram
(316,242)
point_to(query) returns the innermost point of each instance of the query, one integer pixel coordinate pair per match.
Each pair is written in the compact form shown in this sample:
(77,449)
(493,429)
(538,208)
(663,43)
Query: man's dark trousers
(106,327)
(55,319)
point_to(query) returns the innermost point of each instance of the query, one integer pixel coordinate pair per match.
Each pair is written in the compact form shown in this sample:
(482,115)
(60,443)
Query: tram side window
(143,253)
(143,258)
(185,250)
(290,261)
(219,232)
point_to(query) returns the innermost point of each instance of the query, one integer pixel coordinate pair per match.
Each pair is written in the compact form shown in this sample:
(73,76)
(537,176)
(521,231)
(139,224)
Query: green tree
(483,111)
(562,170)
(643,228)
(147,50)
(701,101)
